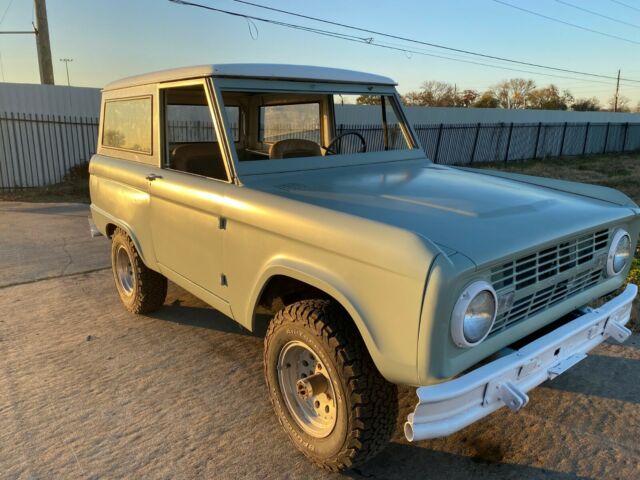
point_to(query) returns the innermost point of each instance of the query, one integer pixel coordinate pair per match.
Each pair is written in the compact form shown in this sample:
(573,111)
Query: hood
(482,216)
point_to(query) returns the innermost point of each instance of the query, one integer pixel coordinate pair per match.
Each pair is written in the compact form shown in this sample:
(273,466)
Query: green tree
(487,100)
(586,105)
(549,98)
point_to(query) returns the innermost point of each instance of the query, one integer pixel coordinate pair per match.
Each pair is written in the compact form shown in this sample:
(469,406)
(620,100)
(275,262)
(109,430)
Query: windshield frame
(260,167)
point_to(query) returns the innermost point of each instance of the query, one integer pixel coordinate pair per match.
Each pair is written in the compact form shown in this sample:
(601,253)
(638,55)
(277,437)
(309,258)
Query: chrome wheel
(124,270)
(307,389)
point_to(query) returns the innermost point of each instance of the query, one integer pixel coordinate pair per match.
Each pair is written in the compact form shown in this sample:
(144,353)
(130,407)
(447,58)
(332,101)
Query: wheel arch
(110,228)
(313,281)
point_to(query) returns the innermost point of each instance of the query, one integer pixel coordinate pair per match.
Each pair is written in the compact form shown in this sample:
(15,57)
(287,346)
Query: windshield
(295,125)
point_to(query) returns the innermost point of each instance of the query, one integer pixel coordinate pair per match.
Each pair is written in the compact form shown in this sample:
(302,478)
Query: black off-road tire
(149,289)
(367,406)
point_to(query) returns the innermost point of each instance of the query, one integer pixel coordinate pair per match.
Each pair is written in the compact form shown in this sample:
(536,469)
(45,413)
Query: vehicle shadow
(602,376)
(403,461)
(185,309)
(200,317)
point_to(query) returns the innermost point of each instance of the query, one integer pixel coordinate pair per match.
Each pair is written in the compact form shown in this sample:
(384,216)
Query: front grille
(547,277)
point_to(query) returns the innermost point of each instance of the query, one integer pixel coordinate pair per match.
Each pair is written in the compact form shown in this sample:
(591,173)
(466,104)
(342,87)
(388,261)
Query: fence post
(435,155)
(624,137)
(564,133)
(586,137)
(475,144)
(4,159)
(535,149)
(606,138)
(506,153)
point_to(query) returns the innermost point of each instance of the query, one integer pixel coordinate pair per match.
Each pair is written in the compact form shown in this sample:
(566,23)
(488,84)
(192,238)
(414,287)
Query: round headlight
(474,314)
(619,253)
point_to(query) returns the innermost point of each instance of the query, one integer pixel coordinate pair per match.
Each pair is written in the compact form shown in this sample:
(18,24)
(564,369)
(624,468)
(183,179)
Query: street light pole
(66,64)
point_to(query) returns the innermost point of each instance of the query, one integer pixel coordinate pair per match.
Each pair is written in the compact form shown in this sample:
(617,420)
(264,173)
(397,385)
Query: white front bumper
(450,406)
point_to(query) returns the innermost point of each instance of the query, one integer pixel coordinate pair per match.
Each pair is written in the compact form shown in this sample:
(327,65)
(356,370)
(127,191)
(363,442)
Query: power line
(6,10)
(372,42)
(626,5)
(430,44)
(598,14)
(574,25)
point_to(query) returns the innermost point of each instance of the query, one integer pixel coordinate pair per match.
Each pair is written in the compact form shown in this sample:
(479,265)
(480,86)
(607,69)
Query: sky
(112,39)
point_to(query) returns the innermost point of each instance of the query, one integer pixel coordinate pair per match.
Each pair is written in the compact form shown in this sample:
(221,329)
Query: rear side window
(127,124)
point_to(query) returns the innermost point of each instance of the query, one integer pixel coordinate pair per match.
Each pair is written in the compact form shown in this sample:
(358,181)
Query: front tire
(326,391)
(141,289)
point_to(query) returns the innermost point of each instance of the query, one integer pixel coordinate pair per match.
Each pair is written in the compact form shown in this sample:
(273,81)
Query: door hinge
(223,280)
(222,223)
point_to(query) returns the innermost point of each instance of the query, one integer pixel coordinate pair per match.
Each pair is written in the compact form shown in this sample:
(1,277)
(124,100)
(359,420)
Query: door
(187,194)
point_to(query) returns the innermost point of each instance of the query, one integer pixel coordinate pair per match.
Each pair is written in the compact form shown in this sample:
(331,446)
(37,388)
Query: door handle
(152,176)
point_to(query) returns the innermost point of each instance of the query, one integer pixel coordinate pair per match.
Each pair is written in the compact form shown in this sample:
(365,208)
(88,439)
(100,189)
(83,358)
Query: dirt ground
(88,390)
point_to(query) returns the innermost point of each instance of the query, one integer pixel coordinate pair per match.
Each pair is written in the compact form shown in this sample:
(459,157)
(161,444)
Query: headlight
(619,252)
(474,314)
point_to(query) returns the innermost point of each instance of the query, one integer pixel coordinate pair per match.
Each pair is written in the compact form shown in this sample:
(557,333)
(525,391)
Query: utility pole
(42,43)
(615,102)
(66,64)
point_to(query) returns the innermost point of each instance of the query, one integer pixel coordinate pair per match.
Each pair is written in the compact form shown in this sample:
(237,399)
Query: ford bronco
(373,266)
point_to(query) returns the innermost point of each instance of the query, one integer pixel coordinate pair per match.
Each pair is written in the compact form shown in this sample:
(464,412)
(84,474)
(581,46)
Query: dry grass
(73,188)
(621,172)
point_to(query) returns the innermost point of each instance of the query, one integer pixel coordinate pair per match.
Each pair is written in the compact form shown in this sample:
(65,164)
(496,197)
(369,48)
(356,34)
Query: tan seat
(293,148)
(202,158)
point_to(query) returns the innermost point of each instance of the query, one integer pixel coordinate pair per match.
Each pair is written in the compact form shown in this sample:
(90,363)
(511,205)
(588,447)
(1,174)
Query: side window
(127,124)
(373,117)
(190,142)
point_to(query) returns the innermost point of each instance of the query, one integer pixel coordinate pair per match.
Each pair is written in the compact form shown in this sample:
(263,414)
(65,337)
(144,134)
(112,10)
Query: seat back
(202,158)
(294,147)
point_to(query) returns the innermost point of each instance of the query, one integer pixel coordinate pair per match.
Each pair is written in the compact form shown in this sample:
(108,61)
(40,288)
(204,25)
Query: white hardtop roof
(270,71)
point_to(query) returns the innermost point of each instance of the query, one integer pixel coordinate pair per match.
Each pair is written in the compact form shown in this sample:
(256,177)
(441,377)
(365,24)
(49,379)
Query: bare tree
(514,93)
(433,94)
(368,100)
(623,104)
(467,98)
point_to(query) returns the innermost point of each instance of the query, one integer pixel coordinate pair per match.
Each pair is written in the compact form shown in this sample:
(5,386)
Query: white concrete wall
(59,100)
(49,100)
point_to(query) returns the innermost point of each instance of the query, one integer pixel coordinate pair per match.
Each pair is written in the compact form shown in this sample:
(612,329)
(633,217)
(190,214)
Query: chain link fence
(38,150)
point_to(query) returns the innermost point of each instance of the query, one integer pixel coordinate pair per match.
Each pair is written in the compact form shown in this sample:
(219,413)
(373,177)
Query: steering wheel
(330,148)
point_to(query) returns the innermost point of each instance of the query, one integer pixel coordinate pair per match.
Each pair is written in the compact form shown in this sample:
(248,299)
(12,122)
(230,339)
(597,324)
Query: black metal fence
(466,144)
(38,150)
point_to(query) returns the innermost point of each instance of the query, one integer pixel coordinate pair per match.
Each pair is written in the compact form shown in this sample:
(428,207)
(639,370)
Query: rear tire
(141,289)
(343,419)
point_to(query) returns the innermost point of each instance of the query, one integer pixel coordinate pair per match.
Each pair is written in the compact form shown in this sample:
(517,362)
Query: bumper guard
(448,407)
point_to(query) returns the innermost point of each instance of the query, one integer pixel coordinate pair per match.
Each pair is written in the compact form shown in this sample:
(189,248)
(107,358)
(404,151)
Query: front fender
(390,341)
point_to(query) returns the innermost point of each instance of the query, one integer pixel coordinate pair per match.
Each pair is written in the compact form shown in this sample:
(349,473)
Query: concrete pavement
(88,390)
(47,240)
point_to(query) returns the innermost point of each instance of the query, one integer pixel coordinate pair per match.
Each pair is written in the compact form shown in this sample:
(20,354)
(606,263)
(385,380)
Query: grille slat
(566,269)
